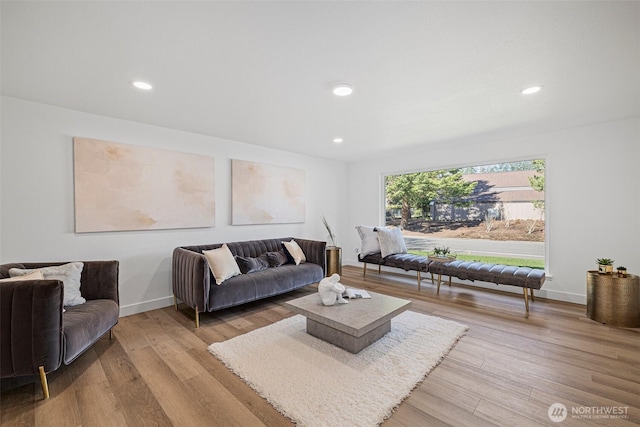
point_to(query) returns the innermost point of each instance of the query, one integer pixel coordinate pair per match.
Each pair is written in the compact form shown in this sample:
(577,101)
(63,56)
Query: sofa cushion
(260,284)
(222,264)
(69,274)
(250,264)
(84,324)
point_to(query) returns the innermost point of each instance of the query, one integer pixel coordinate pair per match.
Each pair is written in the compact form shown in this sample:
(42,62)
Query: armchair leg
(111,333)
(364,271)
(197,318)
(175,302)
(43,382)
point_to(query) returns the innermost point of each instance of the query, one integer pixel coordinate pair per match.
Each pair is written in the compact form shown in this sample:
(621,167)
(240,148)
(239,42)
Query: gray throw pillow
(249,264)
(276,259)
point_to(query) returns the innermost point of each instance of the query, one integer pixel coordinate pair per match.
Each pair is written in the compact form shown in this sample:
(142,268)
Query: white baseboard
(141,307)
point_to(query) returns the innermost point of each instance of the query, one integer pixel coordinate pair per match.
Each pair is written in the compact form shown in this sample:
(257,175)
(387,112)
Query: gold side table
(613,300)
(334,260)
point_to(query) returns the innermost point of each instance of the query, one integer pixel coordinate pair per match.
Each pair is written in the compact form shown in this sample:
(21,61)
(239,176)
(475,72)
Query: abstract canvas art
(120,187)
(266,194)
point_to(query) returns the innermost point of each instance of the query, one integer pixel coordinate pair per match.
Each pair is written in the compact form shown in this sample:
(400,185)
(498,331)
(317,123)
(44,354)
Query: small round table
(334,260)
(613,300)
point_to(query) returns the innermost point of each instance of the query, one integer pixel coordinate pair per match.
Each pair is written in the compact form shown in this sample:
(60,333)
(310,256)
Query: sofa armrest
(30,326)
(190,278)
(315,252)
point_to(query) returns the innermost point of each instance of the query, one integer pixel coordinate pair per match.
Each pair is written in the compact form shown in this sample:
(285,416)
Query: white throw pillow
(295,251)
(222,263)
(391,241)
(369,237)
(69,274)
(35,275)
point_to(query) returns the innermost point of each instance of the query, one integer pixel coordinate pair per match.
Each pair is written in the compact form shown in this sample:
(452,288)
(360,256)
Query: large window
(491,213)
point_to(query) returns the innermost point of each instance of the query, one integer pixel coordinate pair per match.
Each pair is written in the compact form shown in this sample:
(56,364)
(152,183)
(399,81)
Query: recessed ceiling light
(142,85)
(531,90)
(338,140)
(342,90)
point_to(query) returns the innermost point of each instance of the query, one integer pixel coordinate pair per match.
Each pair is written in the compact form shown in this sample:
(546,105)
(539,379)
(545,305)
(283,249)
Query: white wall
(592,191)
(593,196)
(37,205)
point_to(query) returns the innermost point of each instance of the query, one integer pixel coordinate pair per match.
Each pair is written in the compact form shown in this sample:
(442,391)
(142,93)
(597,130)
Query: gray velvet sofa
(36,337)
(194,284)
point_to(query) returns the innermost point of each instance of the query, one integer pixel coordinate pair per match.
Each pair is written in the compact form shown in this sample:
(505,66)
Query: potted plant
(605,265)
(442,252)
(622,271)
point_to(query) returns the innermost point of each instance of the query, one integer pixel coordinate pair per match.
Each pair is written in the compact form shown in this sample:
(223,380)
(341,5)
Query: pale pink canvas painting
(120,187)
(266,194)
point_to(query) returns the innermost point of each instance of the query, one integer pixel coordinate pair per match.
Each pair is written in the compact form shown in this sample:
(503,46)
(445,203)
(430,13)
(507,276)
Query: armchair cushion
(85,323)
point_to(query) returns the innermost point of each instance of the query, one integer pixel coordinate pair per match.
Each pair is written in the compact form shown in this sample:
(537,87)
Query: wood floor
(506,371)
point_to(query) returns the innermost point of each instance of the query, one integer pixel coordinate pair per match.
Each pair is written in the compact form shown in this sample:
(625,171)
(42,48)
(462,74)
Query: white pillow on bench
(391,241)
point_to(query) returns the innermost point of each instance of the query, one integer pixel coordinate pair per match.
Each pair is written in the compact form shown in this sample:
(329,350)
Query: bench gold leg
(439,281)
(419,279)
(197,318)
(526,300)
(43,382)
(532,297)
(432,281)
(449,281)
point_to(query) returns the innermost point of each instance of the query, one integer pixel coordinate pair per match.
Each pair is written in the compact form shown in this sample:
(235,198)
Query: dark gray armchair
(36,337)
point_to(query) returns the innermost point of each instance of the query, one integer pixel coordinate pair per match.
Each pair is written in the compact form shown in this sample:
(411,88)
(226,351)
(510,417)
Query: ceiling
(261,72)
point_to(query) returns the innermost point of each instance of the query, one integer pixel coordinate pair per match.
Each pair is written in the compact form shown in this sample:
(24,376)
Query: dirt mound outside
(497,230)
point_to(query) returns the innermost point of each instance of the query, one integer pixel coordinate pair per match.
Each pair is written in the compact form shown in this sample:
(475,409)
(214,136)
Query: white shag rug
(315,383)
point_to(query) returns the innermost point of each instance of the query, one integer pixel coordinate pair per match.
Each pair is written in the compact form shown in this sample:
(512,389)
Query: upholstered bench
(524,277)
(386,246)
(407,262)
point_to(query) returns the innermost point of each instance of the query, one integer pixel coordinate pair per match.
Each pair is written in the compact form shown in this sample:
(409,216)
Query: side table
(334,260)
(613,300)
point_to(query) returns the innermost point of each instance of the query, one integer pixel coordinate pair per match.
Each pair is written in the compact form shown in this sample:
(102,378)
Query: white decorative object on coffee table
(330,290)
(351,326)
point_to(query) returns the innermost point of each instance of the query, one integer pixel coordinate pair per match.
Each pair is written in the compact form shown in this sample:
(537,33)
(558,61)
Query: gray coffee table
(350,326)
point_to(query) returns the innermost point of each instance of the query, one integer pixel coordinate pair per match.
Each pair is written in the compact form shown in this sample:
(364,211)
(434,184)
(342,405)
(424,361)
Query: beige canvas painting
(266,194)
(120,187)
